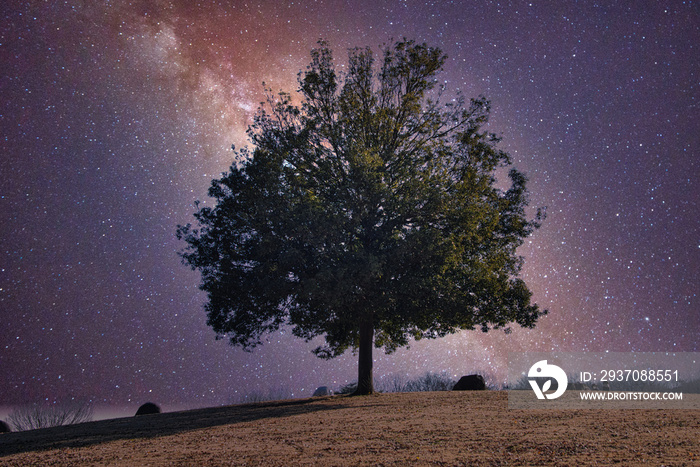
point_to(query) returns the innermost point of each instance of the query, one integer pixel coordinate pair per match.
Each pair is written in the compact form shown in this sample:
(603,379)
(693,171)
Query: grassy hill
(434,428)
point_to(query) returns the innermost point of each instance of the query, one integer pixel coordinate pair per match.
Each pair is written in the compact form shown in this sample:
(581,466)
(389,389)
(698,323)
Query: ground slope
(439,428)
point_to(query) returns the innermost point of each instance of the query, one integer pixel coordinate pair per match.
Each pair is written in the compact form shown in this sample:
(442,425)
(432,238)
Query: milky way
(116,116)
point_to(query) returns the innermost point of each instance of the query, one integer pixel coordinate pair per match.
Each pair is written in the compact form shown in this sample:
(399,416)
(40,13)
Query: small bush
(149,408)
(348,388)
(4,427)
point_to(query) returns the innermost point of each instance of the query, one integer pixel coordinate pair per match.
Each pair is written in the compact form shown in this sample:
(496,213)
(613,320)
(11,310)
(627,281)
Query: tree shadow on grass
(157,425)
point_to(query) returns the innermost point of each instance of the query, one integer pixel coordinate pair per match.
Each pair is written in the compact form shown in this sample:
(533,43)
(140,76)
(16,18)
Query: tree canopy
(369,214)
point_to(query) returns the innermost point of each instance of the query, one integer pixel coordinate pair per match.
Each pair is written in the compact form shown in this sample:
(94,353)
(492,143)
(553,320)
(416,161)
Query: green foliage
(371,203)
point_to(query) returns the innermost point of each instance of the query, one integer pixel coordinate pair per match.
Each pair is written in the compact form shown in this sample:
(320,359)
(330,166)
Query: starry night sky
(116,115)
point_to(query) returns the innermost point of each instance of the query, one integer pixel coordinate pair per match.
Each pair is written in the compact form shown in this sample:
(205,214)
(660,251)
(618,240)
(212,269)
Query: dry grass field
(435,428)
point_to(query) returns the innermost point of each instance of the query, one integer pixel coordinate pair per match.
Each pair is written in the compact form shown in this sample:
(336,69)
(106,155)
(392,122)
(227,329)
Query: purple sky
(115,116)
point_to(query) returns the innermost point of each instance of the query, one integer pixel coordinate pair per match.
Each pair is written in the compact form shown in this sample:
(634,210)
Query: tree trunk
(365,378)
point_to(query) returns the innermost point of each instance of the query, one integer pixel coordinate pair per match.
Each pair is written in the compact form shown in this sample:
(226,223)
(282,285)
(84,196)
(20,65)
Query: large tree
(369,213)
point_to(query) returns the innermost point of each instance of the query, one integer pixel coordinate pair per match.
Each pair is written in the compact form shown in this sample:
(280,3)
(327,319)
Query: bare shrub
(430,382)
(273,394)
(32,417)
(691,387)
(397,383)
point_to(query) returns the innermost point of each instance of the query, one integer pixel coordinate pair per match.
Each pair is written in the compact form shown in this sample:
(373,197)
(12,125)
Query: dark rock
(322,391)
(470,383)
(4,427)
(148,408)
